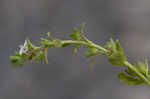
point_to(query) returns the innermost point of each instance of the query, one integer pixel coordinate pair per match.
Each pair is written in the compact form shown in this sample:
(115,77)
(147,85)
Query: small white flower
(23,48)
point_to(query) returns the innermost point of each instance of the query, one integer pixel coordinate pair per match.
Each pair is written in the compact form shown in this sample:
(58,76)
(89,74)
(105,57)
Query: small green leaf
(46,42)
(17,53)
(92,62)
(146,67)
(25,57)
(130,72)
(110,46)
(16,61)
(76,34)
(43,41)
(75,49)
(82,26)
(116,56)
(128,80)
(143,67)
(39,56)
(113,43)
(48,34)
(149,76)
(50,37)
(90,51)
(30,46)
(117,59)
(118,47)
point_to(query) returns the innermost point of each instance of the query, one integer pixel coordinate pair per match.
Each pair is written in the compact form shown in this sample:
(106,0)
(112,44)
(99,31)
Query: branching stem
(103,51)
(135,74)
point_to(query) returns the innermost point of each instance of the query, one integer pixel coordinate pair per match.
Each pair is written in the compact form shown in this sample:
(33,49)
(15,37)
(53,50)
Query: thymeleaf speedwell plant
(134,74)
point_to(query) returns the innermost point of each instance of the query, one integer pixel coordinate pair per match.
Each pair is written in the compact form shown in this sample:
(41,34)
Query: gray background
(67,75)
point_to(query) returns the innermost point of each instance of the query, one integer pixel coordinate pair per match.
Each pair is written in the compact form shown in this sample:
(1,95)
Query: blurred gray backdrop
(67,75)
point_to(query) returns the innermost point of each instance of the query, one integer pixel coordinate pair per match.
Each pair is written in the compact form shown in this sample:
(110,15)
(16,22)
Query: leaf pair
(116,54)
(124,78)
(19,60)
(48,43)
(131,78)
(90,51)
(76,36)
(29,45)
(142,67)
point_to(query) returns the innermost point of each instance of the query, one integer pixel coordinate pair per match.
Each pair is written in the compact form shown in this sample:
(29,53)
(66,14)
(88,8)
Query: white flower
(23,48)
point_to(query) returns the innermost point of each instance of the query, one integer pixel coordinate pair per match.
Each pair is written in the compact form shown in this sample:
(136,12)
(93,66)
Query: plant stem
(137,72)
(103,51)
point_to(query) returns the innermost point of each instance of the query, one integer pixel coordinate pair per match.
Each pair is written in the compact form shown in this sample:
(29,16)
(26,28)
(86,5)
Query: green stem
(137,72)
(103,51)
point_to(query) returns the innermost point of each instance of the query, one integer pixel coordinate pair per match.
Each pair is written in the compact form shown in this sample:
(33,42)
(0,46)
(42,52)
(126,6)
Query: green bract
(90,51)
(30,46)
(116,56)
(76,34)
(130,72)
(19,60)
(39,56)
(46,42)
(128,80)
(142,67)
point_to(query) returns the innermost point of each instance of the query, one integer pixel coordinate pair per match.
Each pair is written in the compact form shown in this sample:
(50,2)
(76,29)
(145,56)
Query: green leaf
(146,67)
(149,75)
(116,56)
(25,57)
(50,37)
(82,26)
(90,51)
(130,72)
(43,41)
(19,60)
(75,49)
(92,62)
(110,46)
(30,46)
(39,56)
(113,44)
(76,35)
(118,47)
(16,61)
(128,80)
(48,34)
(17,53)
(46,42)
(143,67)
(117,59)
